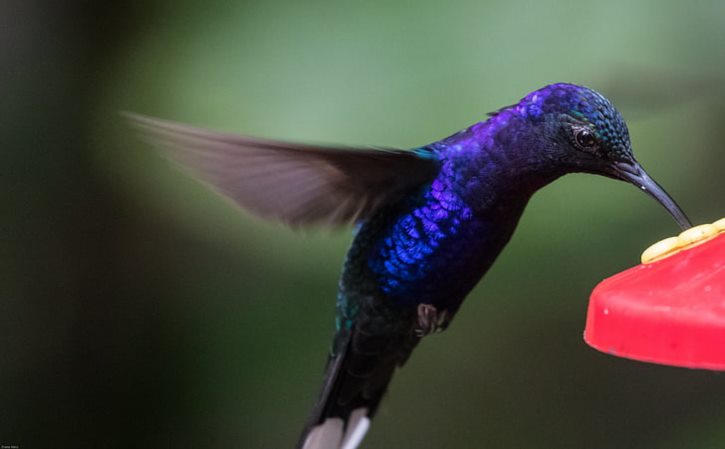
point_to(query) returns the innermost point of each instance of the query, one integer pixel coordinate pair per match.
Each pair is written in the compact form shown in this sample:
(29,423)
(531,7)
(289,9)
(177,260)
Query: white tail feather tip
(327,435)
(355,435)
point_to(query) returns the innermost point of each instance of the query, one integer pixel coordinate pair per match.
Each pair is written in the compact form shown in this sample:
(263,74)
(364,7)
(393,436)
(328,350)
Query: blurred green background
(137,309)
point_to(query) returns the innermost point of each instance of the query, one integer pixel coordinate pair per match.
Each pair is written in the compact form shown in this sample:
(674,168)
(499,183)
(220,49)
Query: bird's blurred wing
(297,184)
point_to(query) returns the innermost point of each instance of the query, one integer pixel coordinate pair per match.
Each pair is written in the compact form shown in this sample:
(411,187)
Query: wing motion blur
(298,184)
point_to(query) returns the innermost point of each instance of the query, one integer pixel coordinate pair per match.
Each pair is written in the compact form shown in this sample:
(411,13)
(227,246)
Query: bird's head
(585,133)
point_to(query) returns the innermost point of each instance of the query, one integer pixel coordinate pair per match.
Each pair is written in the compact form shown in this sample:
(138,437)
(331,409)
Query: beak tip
(685,224)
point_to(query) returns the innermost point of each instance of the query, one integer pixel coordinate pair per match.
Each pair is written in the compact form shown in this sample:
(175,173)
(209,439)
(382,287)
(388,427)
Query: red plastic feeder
(670,311)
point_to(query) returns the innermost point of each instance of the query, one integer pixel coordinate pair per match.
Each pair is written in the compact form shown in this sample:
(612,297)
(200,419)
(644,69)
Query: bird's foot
(430,320)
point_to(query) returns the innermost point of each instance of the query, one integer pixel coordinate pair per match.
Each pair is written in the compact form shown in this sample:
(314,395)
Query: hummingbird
(429,222)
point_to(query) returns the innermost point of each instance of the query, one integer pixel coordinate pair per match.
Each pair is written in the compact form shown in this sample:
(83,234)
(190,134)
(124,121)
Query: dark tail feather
(356,378)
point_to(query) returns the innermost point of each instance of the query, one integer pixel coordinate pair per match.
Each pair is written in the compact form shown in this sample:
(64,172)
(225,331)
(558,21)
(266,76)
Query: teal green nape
(431,221)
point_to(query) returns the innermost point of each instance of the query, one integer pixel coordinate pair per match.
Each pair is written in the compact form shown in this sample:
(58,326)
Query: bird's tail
(356,378)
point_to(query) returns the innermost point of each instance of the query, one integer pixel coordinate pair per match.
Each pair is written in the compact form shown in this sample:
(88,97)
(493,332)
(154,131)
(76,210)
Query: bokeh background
(137,309)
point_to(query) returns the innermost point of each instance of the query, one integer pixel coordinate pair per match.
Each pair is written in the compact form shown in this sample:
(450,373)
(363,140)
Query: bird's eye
(584,139)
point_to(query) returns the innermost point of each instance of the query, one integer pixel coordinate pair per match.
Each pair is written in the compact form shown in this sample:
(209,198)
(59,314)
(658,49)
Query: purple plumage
(431,221)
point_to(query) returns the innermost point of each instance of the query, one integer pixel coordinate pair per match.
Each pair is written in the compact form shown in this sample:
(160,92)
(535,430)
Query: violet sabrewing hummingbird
(429,221)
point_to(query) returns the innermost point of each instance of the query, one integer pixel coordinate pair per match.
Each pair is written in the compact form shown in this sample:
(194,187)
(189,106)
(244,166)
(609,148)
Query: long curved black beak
(633,173)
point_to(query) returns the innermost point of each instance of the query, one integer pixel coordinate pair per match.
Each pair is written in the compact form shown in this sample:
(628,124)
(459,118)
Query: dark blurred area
(139,310)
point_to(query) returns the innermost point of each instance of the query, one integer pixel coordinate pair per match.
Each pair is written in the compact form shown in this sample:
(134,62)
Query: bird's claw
(430,320)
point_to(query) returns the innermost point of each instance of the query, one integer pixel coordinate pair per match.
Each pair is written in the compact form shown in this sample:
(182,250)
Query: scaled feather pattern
(431,221)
